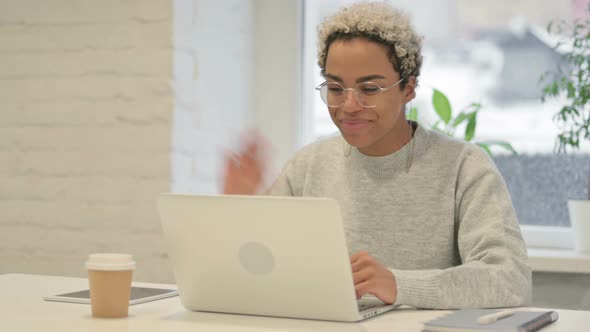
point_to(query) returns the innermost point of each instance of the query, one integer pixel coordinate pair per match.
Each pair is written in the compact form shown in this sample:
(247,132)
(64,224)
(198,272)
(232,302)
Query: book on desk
(472,320)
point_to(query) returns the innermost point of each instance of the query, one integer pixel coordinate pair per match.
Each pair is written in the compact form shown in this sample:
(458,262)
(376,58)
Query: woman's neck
(393,141)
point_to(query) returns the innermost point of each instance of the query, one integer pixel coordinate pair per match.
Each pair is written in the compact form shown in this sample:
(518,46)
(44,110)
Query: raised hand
(244,171)
(371,277)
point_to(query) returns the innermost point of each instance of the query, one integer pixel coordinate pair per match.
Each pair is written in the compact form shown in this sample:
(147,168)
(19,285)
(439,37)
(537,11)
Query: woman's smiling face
(376,130)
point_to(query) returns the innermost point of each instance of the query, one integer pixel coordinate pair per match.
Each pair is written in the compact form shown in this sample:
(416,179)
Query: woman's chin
(358,142)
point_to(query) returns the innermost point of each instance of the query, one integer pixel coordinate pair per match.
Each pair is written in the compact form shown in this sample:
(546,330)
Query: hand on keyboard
(372,277)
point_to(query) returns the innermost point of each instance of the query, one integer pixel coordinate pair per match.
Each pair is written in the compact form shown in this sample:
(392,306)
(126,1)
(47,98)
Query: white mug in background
(579,211)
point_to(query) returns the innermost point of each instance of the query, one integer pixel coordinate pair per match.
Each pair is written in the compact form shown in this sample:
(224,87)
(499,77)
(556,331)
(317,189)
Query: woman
(428,219)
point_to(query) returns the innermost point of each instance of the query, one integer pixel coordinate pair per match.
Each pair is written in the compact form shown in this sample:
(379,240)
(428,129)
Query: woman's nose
(350,102)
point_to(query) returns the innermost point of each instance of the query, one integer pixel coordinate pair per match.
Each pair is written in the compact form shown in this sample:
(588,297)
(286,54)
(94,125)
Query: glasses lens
(332,94)
(366,94)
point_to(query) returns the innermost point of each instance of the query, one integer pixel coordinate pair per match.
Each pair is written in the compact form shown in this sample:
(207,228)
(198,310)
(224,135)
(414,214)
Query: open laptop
(262,255)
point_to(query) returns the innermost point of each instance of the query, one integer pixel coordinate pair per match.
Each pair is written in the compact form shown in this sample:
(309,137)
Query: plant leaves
(573,81)
(473,107)
(470,129)
(442,106)
(486,148)
(413,115)
(460,118)
(503,144)
(571,90)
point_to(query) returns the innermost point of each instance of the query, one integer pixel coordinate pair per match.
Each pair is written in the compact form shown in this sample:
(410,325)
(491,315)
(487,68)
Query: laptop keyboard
(368,303)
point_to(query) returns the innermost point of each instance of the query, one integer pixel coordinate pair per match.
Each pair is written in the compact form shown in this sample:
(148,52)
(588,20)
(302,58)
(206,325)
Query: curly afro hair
(378,22)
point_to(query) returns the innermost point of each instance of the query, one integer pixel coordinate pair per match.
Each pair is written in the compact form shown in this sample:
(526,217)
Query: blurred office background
(105,104)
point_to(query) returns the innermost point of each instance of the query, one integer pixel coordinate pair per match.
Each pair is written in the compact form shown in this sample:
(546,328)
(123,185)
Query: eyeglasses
(365,93)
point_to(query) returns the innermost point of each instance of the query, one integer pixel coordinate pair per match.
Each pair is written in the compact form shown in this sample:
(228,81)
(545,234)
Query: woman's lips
(354,125)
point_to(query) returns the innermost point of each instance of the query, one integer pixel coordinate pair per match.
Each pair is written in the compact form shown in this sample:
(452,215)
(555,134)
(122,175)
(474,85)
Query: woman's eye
(369,89)
(335,89)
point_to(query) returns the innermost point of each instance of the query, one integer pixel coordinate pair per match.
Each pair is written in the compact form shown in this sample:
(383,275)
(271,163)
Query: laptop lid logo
(256,258)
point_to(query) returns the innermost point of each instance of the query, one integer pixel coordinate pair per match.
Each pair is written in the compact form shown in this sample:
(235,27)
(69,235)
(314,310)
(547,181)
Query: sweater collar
(397,161)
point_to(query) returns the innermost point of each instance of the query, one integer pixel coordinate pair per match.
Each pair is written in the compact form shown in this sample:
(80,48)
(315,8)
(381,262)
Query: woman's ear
(410,89)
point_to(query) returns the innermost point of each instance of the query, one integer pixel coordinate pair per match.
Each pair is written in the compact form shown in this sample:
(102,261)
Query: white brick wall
(89,125)
(85,132)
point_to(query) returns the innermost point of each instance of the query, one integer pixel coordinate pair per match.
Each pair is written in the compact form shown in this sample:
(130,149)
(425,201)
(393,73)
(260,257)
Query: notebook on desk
(473,320)
(262,255)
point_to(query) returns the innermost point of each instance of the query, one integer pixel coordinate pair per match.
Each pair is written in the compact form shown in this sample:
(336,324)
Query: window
(493,53)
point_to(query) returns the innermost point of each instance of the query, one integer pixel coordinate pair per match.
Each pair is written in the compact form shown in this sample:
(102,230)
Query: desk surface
(23,309)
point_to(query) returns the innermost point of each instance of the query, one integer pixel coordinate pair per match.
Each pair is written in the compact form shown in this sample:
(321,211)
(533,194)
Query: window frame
(548,237)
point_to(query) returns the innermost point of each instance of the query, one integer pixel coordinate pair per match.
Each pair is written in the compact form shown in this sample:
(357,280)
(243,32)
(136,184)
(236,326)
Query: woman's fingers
(362,275)
(244,170)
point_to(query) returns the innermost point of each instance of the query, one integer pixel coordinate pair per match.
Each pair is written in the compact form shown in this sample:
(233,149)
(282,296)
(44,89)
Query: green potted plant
(449,124)
(573,119)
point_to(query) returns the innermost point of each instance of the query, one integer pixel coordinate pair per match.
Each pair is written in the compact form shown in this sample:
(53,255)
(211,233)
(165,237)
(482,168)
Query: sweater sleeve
(494,270)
